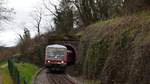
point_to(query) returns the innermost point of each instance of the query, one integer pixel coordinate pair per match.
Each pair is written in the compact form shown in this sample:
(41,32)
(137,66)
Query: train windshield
(55,53)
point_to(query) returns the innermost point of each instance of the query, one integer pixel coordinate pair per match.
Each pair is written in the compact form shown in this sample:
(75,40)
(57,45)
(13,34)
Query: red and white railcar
(56,57)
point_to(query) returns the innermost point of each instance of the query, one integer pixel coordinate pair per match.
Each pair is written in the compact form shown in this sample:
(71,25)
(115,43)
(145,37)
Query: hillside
(116,51)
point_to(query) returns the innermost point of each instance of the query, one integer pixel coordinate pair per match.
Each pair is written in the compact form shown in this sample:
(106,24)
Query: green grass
(2,62)
(27,71)
(6,79)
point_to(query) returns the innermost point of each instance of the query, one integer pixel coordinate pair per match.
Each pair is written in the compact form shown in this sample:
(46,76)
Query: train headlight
(48,61)
(62,61)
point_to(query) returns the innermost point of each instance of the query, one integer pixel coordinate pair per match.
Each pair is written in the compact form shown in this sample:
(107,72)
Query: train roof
(56,46)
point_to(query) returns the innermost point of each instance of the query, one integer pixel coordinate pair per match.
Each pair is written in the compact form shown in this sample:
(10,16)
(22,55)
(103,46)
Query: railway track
(45,77)
(59,79)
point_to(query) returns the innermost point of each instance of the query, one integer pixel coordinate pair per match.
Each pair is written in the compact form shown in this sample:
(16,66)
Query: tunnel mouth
(72,58)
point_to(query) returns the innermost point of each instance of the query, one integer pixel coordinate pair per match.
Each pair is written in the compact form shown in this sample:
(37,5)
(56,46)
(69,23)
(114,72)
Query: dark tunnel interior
(72,56)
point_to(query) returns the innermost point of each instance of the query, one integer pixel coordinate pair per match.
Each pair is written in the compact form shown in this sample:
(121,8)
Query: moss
(91,82)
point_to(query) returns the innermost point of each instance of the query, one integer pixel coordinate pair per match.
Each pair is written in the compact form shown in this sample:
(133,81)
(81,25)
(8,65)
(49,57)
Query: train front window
(55,54)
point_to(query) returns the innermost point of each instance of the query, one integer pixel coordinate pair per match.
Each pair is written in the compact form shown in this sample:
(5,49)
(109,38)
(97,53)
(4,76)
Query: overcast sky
(23,8)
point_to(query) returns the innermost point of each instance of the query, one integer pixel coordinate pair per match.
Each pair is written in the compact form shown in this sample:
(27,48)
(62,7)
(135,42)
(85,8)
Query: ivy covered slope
(117,51)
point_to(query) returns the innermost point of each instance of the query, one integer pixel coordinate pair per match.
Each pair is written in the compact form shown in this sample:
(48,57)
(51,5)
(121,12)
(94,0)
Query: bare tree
(52,8)
(63,15)
(5,13)
(37,16)
(90,11)
(24,42)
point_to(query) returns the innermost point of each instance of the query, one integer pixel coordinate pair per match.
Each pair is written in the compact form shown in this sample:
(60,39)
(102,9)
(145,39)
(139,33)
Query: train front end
(56,57)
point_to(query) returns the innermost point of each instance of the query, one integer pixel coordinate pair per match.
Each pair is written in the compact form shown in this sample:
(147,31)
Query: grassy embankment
(4,73)
(27,71)
(115,49)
